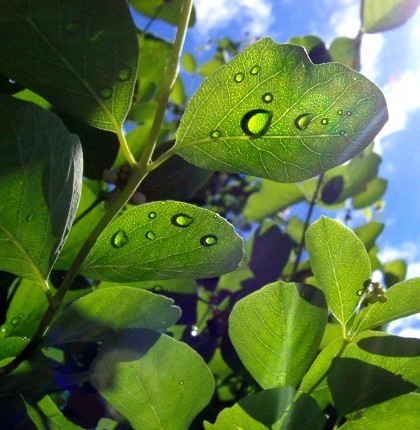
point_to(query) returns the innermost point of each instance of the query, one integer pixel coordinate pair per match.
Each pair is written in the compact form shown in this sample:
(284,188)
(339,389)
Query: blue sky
(390,59)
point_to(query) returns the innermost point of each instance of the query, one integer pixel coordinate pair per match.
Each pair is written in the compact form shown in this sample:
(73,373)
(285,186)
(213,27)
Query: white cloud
(217,14)
(408,251)
(345,21)
(370,54)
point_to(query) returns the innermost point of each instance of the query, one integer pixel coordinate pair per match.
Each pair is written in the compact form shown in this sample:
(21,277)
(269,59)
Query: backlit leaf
(375,189)
(270,112)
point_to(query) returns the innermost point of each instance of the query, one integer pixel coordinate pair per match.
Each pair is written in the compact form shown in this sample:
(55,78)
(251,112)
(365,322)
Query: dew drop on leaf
(150,235)
(324,121)
(349,113)
(181,220)
(256,122)
(255,70)
(157,288)
(239,77)
(340,112)
(208,240)
(20,315)
(215,133)
(194,331)
(106,93)
(124,74)
(342,133)
(302,121)
(119,239)
(15,322)
(181,382)
(152,215)
(12,82)
(30,218)
(267,98)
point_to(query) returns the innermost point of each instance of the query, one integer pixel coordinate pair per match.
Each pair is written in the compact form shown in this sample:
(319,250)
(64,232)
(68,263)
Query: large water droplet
(215,133)
(106,93)
(255,70)
(302,121)
(256,122)
(30,218)
(152,215)
(119,239)
(267,98)
(239,77)
(124,74)
(182,220)
(324,121)
(208,240)
(151,235)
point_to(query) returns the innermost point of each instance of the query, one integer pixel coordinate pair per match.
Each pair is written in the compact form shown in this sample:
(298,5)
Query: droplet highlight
(239,77)
(208,240)
(349,113)
(342,133)
(267,98)
(340,112)
(302,121)
(152,215)
(124,74)
(255,70)
(256,122)
(215,134)
(157,288)
(151,235)
(119,239)
(105,93)
(182,220)
(325,121)
(181,382)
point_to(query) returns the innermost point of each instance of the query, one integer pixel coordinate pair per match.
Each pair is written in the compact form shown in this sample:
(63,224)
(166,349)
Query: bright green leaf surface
(271,113)
(163,240)
(155,381)
(401,412)
(402,301)
(340,264)
(271,198)
(375,189)
(95,315)
(368,233)
(270,333)
(11,346)
(346,51)
(386,14)
(41,166)
(80,55)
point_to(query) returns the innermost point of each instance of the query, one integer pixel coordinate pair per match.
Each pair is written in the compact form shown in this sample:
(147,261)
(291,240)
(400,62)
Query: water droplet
(239,77)
(194,331)
(208,240)
(342,133)
(12,82)
(15,322)
(157,288)
(215,133)
(255,70)
(150,235)
(124,74)
(71,27)
(267,98)
(325,121)
(302,121)
(349,113)
(360,292)
(30,218)
(152,215)
(23,338)
(256,122)
(181,382)
(119,239)
(340,112)
(20,315)
(181,220)
(3,330)
(106,93)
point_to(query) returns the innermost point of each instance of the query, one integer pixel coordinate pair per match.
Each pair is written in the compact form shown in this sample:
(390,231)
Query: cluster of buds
(374,292)
(118,180)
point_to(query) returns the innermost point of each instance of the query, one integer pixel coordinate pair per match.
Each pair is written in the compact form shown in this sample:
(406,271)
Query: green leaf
(270,112)
(317,52)
(340,264)
(271,198)
(163,240)
(80,56)
(45,414)
(387,14)
(394,271)
(41,165)
(400,412)
(346,51)
(95,315)
(11,346)
(375,189)
(153,380)
(368,233)
(402,301)
(269,332)
(189,62)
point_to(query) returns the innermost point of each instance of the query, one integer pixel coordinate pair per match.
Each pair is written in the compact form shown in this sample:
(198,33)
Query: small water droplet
(106,93)
(340,112)
(30,218)
(239,77)
(349,113)
(150,235)
(255,70)
(3,330)
(208,240)
(15,322)
(194,331)
(157,288)
(20,315)
(215,133)
(324,121)
(181,220)
(342,133)
(152,215)
(256,122)
(267,98)
(119,239)
(124,74)
(12,82)
(360,292)
(181,382)
(71,27)
(302,121)
(23,338)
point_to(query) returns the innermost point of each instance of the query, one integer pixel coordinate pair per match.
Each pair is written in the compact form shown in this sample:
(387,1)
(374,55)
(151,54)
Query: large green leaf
(271,113)
(269,331)
(79,55)
(95,315)
(386,14)
(163,240)
(340,264)
(402,301)
(41,172)
(369,232)
(375,189)
(155,381)
(400,412)
(346,51)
